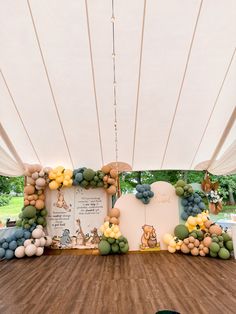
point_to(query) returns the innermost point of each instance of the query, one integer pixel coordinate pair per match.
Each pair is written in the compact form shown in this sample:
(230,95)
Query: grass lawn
(225,213)
(12,210)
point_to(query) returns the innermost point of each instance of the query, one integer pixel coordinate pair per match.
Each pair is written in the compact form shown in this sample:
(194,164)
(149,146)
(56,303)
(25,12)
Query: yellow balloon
(59,169)
(116,229)
(65,183)
(172,243)
(171,249)
(59,179)
(118,234)
(68,172)
(53,185)
(108,230)
(106,234)
(51,175)
(191,220)
(112,235)
(167,237)
(106,224)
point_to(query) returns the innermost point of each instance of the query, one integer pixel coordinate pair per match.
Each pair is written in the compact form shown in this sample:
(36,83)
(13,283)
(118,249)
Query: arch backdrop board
(162,213)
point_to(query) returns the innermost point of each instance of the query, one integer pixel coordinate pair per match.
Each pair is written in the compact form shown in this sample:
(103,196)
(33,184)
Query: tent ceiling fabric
(187,80)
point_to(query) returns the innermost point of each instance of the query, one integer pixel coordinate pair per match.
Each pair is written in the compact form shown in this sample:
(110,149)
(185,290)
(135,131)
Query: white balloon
(20,251)
(48,241)
(37,233)
(30,250)
(27,242)
(42,241)
(39,251)
(37,242)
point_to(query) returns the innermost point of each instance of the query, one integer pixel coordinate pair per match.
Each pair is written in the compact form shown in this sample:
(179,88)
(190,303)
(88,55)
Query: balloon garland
(112,241)
(32,219)
(200,236)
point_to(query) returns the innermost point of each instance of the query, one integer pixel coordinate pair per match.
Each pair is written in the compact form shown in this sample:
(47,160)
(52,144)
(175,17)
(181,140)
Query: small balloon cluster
(110,179)
(36,182)
(112,240)
(88,178)
(192,205)
(113,216)
(60,177)
(30,216)
(183,189)
(35,245)
(202,237)
(144,193)
(19,243)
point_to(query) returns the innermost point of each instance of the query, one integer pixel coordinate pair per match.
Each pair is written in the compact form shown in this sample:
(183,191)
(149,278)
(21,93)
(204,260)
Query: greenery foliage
(11,184)
(129,180)
(5,199)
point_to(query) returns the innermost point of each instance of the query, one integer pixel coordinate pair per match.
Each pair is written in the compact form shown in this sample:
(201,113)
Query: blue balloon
(145,200)
(27,234)
(19,233)
(139,188)
(184,202)
(12,245)
(2,240)
(9,239)
(9,254)
(145,194)
(184,216)
(32,228)
(20,241)
(150,193)
(79,177)
(5,245)
(2,253)
(147,187)
(139,195)
(201,205)
(197,200)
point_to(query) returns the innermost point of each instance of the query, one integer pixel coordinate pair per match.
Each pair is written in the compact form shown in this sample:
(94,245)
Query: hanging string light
(114,83)
(113,55)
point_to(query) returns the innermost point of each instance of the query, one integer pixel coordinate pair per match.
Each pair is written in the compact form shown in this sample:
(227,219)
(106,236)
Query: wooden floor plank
(122,284)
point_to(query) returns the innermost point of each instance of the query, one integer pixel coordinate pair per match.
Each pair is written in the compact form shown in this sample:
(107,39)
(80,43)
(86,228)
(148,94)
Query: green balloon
(125,249)
(40,220)
(111,240)
(229,245)
(104,247)
(214,247)
(115,248)
(224,253)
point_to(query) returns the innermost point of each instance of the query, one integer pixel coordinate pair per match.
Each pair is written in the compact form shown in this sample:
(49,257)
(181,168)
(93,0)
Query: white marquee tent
(175,82)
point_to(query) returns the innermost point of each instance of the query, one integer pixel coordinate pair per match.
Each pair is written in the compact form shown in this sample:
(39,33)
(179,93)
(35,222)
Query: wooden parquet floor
(127,284)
